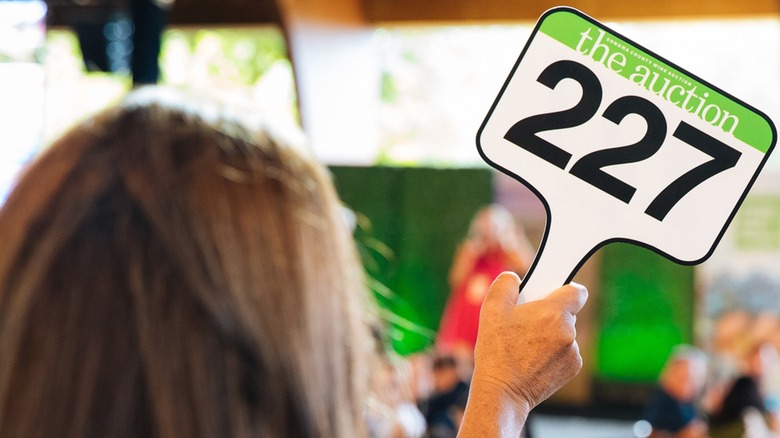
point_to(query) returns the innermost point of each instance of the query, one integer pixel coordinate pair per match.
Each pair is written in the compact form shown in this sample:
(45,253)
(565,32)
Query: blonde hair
(169,268)
(499,219)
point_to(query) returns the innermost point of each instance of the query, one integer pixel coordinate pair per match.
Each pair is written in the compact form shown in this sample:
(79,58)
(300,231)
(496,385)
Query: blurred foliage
(239,56)
(248,61)
(389,90)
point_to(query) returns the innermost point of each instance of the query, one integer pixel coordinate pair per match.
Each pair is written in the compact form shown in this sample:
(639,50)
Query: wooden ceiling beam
(432,11)
(378,12)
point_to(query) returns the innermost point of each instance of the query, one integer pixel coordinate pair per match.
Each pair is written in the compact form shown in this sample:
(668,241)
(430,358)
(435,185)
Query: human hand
(529,350)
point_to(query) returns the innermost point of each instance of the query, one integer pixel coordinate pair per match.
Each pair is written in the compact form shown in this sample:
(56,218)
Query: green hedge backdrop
(413,218)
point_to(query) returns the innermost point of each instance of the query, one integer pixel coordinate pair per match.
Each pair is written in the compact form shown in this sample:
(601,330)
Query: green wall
(415,217)
(419,215)
(645,308)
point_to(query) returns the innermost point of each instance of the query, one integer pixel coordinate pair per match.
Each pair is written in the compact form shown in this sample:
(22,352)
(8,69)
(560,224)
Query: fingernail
(579,287)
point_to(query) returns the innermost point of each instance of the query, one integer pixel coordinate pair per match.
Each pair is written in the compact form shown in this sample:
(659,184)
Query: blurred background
(391,94)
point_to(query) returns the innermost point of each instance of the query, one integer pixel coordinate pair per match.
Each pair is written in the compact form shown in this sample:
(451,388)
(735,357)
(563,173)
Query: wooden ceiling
(383,12)
(530,10)
(448,11)
(464,11)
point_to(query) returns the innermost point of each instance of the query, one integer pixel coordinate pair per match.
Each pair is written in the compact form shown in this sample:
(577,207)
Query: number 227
(589,167)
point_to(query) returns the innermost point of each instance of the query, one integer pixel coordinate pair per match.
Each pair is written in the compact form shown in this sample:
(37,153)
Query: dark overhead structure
(116,35)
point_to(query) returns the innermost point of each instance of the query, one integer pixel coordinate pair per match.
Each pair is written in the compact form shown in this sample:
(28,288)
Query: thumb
(503,293)
(571,296)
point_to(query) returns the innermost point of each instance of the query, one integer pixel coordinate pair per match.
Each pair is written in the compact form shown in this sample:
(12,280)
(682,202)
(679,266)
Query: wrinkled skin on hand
(528,350)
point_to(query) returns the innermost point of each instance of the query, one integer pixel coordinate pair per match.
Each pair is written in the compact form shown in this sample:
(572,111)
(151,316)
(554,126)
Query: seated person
(743,407)
(448,390)
(672,411)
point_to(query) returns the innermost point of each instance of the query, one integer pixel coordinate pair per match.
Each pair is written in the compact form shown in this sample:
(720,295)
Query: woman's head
(173,268)
(491,225)
(684,373)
